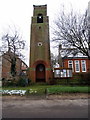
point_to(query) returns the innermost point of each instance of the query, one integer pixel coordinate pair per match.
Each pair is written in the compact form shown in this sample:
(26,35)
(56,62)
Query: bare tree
(12,44)
(73,32)
(53,60)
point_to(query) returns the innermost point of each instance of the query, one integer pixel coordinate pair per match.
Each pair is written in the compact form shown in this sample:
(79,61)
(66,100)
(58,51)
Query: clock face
(39,43)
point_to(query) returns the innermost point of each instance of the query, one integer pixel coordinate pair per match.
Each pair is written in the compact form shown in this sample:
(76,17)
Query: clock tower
(40,65)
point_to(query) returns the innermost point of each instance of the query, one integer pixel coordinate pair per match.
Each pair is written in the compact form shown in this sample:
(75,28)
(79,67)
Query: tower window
(40,18)
(39,43)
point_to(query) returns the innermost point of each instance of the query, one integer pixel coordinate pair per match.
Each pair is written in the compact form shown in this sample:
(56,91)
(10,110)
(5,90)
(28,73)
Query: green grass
(68,89)
(39,88)
(51,89)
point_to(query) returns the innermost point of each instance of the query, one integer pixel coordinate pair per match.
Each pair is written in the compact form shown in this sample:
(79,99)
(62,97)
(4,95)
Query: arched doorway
(40,73)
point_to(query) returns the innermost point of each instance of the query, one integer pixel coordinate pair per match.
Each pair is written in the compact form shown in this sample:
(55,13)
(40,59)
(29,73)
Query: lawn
(32,88)
(68,89)
(50,89)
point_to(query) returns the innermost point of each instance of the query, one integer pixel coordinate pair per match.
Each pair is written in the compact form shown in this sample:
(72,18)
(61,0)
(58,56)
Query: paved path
(26,108)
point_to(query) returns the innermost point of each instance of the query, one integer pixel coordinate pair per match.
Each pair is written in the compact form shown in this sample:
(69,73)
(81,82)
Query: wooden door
(40,73)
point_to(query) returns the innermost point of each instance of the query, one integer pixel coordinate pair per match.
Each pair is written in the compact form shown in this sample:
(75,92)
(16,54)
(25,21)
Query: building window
(83,64)
(57,73)
(62,73)
(70,64)
(77,66)
(69,73)
(40,18)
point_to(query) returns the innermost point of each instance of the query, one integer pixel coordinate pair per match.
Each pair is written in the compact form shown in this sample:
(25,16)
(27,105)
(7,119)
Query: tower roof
(40,9)
(40,5)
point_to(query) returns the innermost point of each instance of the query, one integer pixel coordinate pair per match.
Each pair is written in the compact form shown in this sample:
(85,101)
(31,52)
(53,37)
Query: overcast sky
(19,12)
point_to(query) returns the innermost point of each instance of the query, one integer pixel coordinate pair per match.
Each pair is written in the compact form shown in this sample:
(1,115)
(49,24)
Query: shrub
(77,79)
(21,81)
(82,78)
(52,81)
(8,82)
(62,81)
(3,82)
(86,78)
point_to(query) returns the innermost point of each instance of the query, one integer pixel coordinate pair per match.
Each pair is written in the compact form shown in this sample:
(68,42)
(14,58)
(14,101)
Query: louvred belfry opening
(40,18)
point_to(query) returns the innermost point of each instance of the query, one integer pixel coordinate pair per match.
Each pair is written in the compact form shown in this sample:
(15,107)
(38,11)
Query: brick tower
(40,64)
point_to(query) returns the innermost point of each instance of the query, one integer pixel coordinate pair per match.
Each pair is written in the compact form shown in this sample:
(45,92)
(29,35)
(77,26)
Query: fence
(62,72)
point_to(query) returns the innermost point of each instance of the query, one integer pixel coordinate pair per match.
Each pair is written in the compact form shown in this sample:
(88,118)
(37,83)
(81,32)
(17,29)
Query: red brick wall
(87,64)
(6,67)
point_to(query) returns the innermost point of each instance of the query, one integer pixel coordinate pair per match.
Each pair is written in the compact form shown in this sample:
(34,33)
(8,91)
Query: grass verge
(68,89)
(50,89)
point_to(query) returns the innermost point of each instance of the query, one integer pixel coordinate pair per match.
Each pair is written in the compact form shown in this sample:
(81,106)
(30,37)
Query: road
(44,108)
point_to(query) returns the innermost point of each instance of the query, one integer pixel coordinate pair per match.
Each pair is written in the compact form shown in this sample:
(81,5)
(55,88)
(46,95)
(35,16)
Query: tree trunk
(13,67)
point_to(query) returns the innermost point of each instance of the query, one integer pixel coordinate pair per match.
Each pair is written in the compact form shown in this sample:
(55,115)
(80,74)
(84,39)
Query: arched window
(40,18)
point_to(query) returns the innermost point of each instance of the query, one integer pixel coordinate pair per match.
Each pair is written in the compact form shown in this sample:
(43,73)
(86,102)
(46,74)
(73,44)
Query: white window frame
(71,64)
(57,73)
(82,65)
(69,73)
(22,64)
(64,73)
(78,65)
